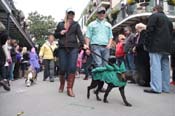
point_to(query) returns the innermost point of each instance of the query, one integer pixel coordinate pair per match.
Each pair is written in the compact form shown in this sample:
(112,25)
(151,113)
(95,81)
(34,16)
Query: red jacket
(119,52)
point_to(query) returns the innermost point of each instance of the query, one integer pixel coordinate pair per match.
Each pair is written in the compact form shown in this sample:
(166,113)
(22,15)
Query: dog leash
(99,56)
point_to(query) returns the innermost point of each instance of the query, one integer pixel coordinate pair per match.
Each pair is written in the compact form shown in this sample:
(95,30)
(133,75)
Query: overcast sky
(56,8)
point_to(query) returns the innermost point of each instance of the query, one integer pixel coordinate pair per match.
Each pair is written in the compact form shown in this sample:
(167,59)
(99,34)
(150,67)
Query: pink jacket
(80,59)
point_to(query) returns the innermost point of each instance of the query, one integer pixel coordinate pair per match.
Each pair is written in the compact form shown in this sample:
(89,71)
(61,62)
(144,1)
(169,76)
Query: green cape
(108,74)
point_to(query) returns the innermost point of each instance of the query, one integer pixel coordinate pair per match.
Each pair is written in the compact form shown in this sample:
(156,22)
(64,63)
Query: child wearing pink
(80,60)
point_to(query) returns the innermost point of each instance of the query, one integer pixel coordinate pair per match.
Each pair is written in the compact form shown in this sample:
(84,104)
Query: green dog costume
(108,74)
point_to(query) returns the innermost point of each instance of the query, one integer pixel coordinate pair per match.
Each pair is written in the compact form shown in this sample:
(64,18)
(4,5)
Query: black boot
(5,85)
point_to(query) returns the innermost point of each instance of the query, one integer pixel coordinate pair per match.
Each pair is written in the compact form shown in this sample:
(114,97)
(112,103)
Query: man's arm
(87,41)
(109,43)
(110,38)
(88,35)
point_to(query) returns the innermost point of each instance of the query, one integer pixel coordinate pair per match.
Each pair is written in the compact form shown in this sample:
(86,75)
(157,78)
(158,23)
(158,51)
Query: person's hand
(134,49)
(9,61)
(108,46)
(88,52)
(41,60)
(85,46)
(63,32)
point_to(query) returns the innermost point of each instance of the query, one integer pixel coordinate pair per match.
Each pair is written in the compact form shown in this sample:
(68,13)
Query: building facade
(13,20)
(121,13)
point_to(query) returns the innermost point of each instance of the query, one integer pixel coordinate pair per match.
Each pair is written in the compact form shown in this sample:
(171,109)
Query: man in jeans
(46,53)
(99,37)
(129,45)
(158,44)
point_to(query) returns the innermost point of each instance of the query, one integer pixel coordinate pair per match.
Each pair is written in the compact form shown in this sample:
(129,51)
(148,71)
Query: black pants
(4,72)
(16,70)
(143,67)
(87,65)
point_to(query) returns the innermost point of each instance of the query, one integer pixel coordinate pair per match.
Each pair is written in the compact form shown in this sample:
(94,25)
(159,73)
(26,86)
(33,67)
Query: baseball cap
(100,9)
(70,10)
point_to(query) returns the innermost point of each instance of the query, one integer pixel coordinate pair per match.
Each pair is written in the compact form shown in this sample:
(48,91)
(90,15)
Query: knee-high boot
(70,83)
(62,82)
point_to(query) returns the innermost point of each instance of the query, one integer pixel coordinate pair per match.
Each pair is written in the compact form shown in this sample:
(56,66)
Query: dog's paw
(88,93)
(105,101)
(88,96)
(128,104)
(98,99)
(95,91)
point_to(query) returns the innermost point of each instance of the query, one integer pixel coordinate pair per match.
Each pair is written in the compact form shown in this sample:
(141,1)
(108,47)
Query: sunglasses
(126,30)
(71,13)
(101,12)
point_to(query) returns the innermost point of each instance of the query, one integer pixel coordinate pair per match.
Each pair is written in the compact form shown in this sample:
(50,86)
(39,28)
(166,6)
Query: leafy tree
(40,26)
(171,2)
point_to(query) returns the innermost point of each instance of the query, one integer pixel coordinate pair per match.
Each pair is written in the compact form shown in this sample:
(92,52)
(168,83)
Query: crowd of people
(15,60)
(144,50)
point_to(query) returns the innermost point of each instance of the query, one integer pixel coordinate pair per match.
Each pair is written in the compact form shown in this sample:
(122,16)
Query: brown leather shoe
(62,83)
(70,92)
(70,83)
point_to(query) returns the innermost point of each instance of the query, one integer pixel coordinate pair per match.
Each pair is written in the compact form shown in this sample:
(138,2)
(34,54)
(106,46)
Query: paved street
(43,99)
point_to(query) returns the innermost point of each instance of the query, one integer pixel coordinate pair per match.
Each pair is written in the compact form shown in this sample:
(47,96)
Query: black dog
(99,85)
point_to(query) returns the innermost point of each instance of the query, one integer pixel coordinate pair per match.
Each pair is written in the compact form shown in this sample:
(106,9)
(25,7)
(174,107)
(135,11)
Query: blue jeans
(121,60)
(12,66)
(160,72)
(103,52)
(130,62)
(67,60)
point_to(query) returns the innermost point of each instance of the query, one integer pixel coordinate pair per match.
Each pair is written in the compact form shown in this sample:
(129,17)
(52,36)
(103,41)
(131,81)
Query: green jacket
(108,74)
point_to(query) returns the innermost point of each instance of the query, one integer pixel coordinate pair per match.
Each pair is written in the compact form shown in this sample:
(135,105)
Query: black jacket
(73,38)
(26,57)
(173,51)
(140,44)
(129,43)
(2,57)
(13,54)
(159,33)
(3,39)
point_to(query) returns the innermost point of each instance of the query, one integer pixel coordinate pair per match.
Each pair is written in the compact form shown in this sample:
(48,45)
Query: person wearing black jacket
(24,60)
(128,46)
(67,33)
(158,43)
(173,59)
(141,58)
(3,81)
